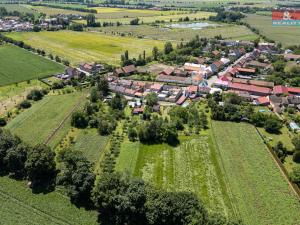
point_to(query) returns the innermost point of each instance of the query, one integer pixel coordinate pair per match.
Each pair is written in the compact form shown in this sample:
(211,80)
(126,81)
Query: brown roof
(218,64)
(249,88)
(258,64)
(291,56)
(129,69)
(168,71)
(253,82)
(172,78)
(246,70)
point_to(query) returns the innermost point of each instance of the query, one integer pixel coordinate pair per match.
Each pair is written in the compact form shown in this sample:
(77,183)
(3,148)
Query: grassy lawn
(19,206)
(90,143)
(287,35)
(28,66)
(261,193)
(162,33)
(87,46)
(189,167)
(35,124)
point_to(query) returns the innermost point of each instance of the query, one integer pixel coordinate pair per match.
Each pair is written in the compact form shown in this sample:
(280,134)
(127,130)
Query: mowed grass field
(19,65)
(190,167)
(90,143)
(35,124)
(19,206)
(87,46)
(261,194)
(287,35)
(233,32)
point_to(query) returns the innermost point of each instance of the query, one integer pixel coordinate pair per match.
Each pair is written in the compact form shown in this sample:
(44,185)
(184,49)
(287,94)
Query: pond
(193,26)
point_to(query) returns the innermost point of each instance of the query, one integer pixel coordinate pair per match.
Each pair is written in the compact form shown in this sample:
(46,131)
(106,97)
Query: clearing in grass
(261,193)
(87,46)
(28,66)
(36,124)
(189,167)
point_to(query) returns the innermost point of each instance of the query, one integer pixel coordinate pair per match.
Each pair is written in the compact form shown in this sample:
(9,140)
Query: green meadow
(20,65)
(260,192)
(37,123)
(87,46)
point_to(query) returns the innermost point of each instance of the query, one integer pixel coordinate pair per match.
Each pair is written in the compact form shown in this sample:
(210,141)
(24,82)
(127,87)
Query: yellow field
(87,46)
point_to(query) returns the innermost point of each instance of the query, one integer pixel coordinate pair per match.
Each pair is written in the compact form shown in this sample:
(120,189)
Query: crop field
(90,143)
(17,7)
(19,206)
(261,193)
(189,167)
(28,66)
(35,124)
(55,11)
(87,46)
(162,33)
(286,35)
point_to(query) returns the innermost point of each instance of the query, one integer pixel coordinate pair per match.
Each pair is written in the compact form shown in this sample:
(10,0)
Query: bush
(25,104)
(2,122)
(36,95)
(296,157)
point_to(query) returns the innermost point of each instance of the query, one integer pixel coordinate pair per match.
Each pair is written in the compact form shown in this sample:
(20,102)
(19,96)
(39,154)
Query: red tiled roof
(294,90)
(263,100)
(224,78)
(249,88)
(156,86)
(192,88)
(181,100)
(279,89)
(247,70)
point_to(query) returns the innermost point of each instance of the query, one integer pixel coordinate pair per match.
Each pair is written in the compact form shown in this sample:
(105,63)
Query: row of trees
(37,164)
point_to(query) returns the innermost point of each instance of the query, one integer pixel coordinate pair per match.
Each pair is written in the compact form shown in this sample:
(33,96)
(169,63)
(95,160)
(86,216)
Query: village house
(282,90)
(125,71)
(252,89)
(174,79)
(292,57)
(91,68)
(216,66)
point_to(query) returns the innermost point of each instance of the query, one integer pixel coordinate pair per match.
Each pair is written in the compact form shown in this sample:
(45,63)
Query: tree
(2,122)
(118,102)
(296,156)
(175,208)
(296,142)
(280,151)
(295,175)
(77,176)
(155,53)
(7,142)
(151,99)
(203,120)
(135,21)
(272,125)
(36,95)
(90,20)
(168,47)
(132,133)
(102,86)
(25,104)
(120,200)
(94,95)
(15,159)
(79,120)
(41,167)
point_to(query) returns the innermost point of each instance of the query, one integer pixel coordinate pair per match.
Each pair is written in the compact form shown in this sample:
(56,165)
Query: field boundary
(281,167)
(52,134)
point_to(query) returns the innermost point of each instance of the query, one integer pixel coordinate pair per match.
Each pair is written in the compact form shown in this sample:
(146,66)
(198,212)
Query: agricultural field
(259,188)
(285,35)
(55,11)
(162,33)
(13,94)
(20,206)
(191,167)
(90,143)
(152,19)
(87,46)
(36,124)
(28,66)
(18,7)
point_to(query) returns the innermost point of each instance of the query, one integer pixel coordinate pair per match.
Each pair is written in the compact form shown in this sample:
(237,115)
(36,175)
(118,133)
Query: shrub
(25,104)
(2,122)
